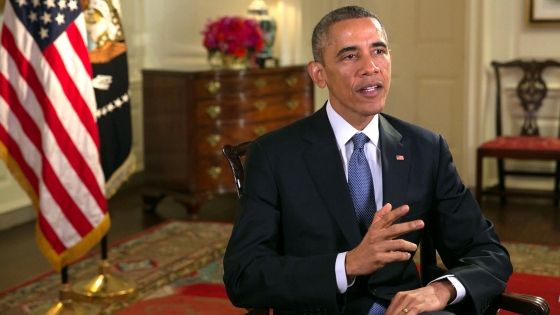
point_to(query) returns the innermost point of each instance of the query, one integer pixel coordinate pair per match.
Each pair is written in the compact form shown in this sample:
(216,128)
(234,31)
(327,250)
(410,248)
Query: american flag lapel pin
(400,158)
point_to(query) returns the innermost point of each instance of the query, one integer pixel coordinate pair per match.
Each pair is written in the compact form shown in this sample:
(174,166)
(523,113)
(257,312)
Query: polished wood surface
(190,115)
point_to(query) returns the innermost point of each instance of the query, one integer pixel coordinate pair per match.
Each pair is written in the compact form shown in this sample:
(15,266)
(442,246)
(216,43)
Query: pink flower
(233,35)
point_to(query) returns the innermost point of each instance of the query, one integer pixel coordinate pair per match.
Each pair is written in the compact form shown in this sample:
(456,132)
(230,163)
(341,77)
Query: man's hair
(320,39)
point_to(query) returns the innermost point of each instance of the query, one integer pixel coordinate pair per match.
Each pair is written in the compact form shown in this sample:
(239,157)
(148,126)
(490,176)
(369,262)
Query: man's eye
(350,56)
(379,51)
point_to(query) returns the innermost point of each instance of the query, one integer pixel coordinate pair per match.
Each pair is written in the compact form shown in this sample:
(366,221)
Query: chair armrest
(507,301)
(519,303)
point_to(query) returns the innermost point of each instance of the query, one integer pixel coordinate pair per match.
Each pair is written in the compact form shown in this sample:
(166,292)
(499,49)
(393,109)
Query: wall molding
(17,217)
(473,87)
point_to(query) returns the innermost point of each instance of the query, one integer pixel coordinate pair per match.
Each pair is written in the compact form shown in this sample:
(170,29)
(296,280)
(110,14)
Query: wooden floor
(529,221)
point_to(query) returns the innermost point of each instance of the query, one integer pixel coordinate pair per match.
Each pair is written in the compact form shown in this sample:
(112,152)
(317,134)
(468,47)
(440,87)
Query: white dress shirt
(344,132)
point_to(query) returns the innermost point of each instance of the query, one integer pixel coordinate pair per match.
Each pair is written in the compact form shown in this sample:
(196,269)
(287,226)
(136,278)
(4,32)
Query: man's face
(356,69)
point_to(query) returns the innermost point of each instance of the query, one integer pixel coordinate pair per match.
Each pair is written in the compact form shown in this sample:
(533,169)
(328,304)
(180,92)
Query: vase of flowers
(233,42)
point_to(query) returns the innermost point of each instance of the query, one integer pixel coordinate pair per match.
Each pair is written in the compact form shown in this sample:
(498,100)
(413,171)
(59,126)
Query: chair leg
(501,181)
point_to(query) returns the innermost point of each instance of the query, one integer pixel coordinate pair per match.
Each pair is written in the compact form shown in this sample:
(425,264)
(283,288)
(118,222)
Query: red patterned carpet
(201,298)
(173,262)
(178,270)
(546,287)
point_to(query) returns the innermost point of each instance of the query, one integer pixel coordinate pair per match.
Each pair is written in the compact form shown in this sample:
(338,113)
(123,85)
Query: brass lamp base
(66,306)
(103,287)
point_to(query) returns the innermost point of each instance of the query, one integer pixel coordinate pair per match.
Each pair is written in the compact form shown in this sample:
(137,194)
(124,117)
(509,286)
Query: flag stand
(66,306)
(104,286)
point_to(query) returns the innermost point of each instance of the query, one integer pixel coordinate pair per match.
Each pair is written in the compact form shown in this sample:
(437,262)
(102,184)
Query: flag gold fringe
(121,175)
(58,261)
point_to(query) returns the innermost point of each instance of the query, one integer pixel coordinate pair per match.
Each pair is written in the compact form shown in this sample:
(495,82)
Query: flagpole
(66,305)
(104,286)
(107,54)
(104,255)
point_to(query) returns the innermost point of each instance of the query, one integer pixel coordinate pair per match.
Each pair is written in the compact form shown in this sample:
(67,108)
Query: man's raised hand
(378,247)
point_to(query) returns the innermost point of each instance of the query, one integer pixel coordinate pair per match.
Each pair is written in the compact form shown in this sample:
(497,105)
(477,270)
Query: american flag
(48,134)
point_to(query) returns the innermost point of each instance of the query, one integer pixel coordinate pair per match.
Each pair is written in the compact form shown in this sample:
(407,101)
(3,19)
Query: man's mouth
(371,88)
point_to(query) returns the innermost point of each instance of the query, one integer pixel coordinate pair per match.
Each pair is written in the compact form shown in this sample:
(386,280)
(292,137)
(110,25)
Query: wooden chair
(531,91)
(429,270)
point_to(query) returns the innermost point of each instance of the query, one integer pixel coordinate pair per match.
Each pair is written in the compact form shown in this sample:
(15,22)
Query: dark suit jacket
(296,214)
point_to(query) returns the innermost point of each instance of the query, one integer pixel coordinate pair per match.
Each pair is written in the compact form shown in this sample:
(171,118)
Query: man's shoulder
(409,130)
(285,134)
(295,132)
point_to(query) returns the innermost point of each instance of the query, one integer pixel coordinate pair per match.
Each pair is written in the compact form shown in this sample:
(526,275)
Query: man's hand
(433,297)
(378,247)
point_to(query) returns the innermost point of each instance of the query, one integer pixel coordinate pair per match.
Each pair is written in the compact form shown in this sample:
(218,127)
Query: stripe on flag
(48,133)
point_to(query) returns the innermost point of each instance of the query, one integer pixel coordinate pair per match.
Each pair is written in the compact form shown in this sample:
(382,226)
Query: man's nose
(369,66)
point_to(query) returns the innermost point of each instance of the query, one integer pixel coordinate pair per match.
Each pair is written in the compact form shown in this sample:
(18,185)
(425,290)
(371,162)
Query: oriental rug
(178,269)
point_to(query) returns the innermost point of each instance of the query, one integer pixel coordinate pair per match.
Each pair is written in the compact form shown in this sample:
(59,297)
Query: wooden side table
(190,115)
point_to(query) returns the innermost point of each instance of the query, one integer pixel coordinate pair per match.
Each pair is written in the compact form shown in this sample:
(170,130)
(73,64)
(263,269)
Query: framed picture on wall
(543,12)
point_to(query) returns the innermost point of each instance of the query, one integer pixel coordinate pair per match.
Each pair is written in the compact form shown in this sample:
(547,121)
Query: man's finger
(398,245)
(390,257)
(402,228)
(382,212)
(387,218)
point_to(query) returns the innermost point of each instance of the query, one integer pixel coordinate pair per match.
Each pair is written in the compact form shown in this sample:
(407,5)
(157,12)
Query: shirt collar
(343,131)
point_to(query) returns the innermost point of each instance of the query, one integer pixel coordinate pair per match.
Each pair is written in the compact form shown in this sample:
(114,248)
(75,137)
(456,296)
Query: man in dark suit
(306,239)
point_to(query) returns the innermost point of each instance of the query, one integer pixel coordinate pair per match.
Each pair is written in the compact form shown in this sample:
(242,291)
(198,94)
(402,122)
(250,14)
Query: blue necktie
(377,309)
(360,183)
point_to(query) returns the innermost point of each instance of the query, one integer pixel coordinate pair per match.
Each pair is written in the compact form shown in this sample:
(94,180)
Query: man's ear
(317,73)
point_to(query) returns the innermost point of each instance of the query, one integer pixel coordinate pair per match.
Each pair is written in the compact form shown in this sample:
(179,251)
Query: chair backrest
(234,154)
(429,270)
(531,90)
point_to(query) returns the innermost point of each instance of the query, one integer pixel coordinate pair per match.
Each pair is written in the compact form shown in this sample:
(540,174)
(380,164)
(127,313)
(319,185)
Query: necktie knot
(359,140)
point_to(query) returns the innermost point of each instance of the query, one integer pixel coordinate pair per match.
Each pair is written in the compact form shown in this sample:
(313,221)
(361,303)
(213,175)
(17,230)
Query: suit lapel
(325,167)
(395,162)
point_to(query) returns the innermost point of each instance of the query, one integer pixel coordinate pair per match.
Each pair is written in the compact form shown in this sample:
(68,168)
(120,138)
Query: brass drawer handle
(292,104)
(260,105)
(213,111)
(259,131)
(213,87)
(214,171)
(260,83)
(213,139)
(291,81)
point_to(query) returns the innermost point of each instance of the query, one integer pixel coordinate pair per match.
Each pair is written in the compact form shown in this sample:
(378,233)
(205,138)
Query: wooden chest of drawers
(190,115)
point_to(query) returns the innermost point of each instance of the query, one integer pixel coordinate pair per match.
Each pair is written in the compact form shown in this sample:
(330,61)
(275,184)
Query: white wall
(498,31)
(166,33)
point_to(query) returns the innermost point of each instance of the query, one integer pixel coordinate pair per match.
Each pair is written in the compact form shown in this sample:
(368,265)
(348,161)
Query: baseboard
(16,217)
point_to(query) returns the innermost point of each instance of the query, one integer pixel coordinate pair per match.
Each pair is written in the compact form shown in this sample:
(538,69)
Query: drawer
(210,139)
(254,109)
(248,86)
(214,173)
